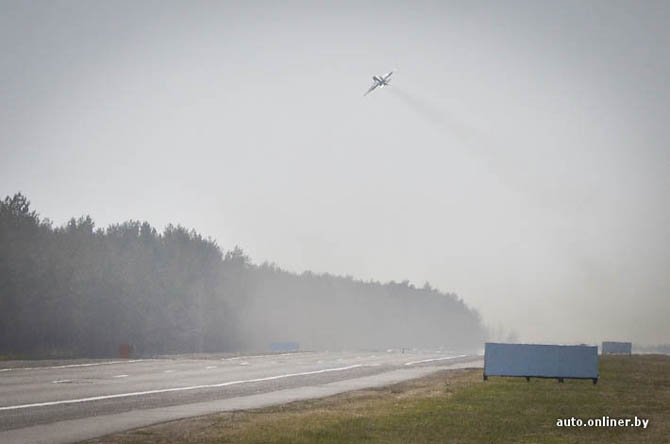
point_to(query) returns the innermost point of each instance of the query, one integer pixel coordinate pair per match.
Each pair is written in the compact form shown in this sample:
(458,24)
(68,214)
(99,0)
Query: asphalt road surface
(70,402)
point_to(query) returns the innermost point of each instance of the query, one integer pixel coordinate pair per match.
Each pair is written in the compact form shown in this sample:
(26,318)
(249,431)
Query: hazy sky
(519,157)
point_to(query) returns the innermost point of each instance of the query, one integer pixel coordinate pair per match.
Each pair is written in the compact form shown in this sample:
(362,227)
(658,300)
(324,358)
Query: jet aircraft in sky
(380,82)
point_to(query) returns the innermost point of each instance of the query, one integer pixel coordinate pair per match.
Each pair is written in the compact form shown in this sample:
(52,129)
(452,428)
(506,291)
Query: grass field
(451,406)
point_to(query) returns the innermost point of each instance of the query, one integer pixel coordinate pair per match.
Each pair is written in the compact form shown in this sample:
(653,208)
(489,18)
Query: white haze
(519,157)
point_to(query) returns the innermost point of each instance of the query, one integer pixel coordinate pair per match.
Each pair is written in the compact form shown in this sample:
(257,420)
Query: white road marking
(62,381)
(434,359)
(244,363)
(91,364)
(168,371)
(121,376)
(175,389)
(210,366)
(261,356)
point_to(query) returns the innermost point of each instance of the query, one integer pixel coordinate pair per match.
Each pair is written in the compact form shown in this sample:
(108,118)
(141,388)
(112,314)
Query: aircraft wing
(372,88)
(386,77)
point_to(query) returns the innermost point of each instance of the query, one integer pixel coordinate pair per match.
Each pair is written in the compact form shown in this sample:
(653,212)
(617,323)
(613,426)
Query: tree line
(80,291)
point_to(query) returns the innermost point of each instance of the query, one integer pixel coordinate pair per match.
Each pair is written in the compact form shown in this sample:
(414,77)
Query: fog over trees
(78,290)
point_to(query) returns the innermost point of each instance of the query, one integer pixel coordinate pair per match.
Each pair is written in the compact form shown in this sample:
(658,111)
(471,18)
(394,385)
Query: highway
(63,402)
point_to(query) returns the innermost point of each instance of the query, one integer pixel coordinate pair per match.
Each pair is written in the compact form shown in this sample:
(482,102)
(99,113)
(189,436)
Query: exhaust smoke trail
(481,147)
(431,114)
(471,140)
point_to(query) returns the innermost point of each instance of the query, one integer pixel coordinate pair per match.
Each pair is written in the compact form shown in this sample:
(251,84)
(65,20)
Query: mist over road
(66,403)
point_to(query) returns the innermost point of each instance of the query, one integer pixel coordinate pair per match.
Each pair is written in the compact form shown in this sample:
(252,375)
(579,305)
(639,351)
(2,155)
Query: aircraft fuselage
(380,81)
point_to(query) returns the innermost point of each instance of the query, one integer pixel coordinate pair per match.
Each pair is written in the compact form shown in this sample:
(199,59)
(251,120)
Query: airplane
(380,82)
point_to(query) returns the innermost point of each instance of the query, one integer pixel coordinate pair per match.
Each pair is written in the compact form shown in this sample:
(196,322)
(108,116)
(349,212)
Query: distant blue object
(284,347)
(541,361)
(616,348)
